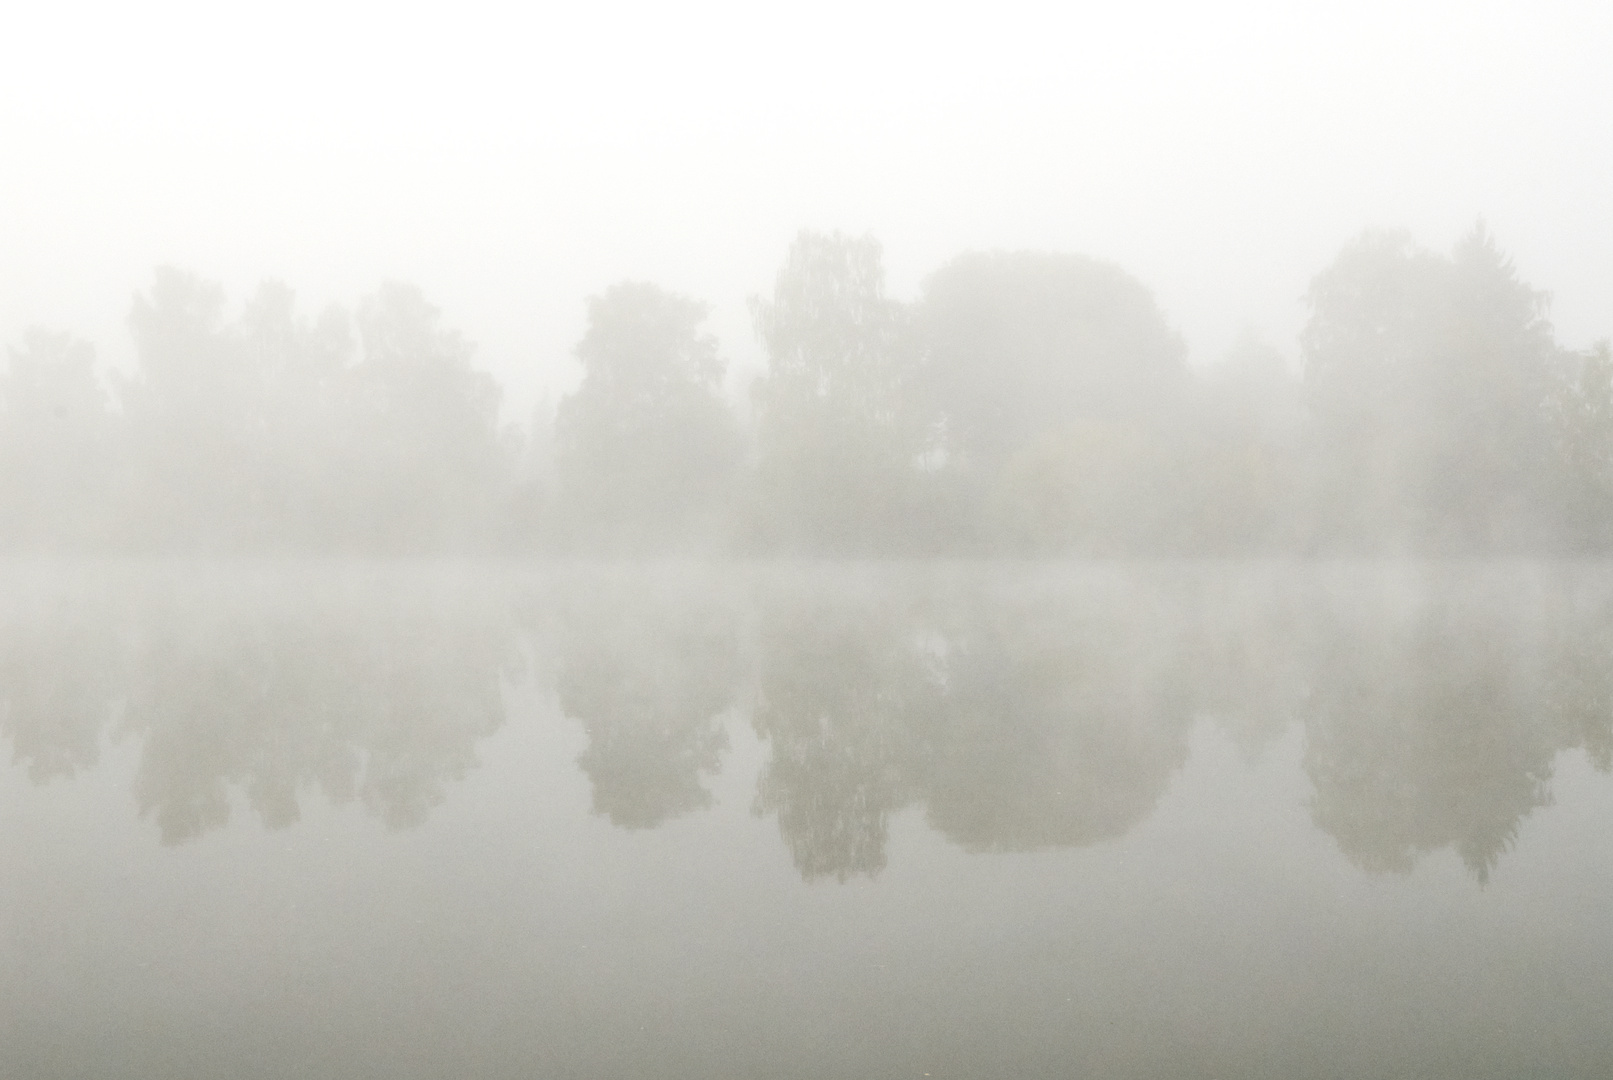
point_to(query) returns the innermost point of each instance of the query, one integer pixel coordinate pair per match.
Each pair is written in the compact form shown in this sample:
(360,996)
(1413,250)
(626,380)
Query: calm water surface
(1340,820)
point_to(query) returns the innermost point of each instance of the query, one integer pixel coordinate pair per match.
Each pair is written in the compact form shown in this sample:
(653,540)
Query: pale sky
(514,163)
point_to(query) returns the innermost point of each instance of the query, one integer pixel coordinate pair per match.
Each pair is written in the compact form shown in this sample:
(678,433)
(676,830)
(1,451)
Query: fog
(513,165)
(850,541)
(368,820)
(1026,404)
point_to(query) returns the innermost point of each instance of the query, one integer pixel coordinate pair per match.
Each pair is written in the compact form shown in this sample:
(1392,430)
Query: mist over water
(989,690)
(389,819)
(837,541)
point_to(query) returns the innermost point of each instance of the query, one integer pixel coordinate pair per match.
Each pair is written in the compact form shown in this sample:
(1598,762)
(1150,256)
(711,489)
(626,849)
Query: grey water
(952,819)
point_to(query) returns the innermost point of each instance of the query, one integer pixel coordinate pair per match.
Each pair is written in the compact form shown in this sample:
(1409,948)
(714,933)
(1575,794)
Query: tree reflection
(1063,724)
(845,684)
(269,685)
(1022,720)
(373,692)
(650,679)
(1579,673)
(1437,711)
(1025,708)
(61,670)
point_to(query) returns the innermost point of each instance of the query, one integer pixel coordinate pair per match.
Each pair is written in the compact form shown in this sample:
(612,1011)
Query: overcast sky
(514,164)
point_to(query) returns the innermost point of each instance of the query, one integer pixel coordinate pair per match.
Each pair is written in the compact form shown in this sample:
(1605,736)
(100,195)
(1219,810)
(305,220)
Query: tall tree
(646,449)
(840,431)
(236,429)
(1241,455)
(1053,375)
(1582,419)
(1429,378)
(430,467)
(1025,343)
(190,411)
(56,446)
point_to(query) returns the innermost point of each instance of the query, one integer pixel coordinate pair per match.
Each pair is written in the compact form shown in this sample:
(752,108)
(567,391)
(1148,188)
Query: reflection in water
(1020,709)
(1065,717)
(268,685)
(1436,712)
(649,676)
(61,670)
(845,691)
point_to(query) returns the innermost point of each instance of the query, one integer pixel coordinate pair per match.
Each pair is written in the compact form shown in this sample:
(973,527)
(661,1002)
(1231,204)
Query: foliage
(57,446)
(1028,403)
(1021,344)
(646,449)
(1428,378)
(840,430)
(1582,418)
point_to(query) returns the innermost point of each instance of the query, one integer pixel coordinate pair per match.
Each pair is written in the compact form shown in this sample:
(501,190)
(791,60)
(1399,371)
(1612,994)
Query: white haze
(512,164)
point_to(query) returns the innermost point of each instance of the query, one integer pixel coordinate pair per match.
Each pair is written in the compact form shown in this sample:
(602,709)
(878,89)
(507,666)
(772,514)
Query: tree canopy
(1023,403)
(1429,379)
(840,427)
(647,450)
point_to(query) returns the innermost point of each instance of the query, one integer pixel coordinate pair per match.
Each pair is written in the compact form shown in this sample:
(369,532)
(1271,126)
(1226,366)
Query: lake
(421,820)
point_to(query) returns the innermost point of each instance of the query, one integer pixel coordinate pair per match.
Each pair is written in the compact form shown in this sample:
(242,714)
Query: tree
(647,451)
(1052,374)
(265,432)
(1022,344)
(1239,459)
(426,462)
(1091,488)
(1582,420)
(189,409)
(299,451)
(56,446)
(1428,378)
(236,429)
(840,431)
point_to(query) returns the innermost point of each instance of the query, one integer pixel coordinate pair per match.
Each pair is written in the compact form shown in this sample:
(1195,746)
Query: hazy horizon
(1061,543)
(513,166)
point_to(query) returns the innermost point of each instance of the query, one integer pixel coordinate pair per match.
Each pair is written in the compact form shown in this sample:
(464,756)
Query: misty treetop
(647,452)
(1431,382)
(1024,403)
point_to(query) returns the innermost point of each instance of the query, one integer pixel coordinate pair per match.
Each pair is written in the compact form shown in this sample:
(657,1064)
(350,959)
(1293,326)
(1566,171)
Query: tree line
(1025,403)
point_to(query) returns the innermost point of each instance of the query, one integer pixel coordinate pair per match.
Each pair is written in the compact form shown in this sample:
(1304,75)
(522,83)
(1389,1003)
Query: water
(1285,820)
